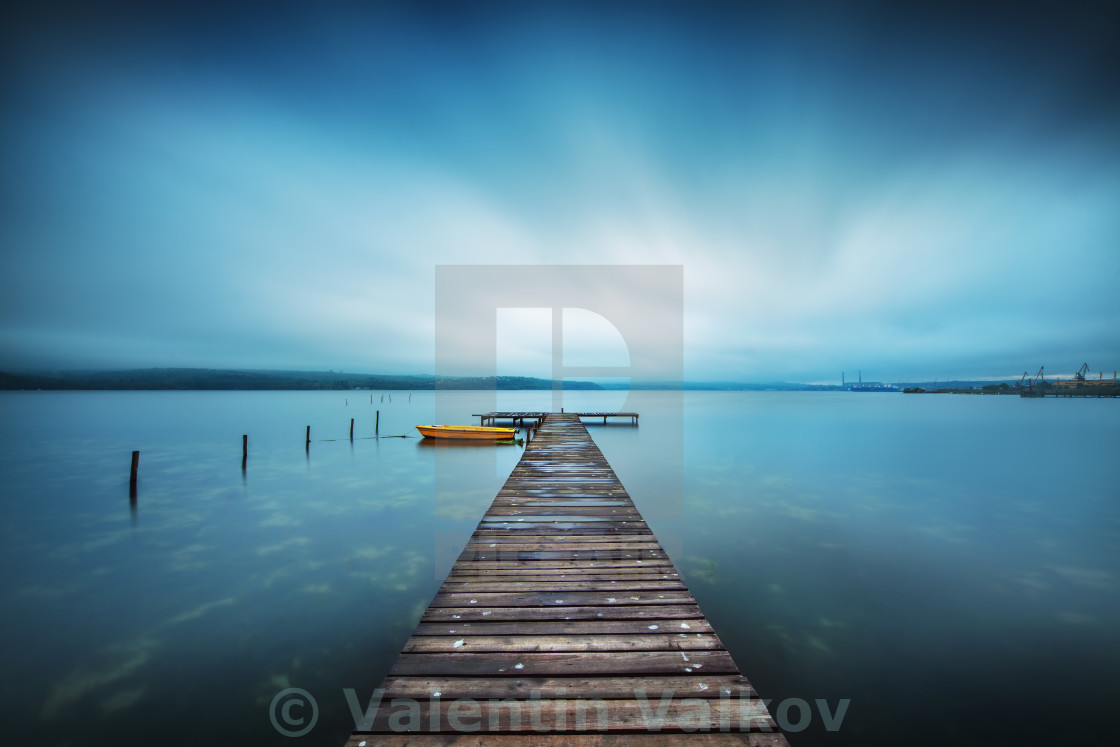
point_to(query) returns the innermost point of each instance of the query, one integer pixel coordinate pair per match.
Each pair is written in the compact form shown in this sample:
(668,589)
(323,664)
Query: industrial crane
(1031,391)
(1080,375)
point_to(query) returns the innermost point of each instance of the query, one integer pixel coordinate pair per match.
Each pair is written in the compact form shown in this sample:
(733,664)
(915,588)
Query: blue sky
(916,190)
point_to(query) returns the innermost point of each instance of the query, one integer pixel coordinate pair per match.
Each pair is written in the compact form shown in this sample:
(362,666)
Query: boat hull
(466,432)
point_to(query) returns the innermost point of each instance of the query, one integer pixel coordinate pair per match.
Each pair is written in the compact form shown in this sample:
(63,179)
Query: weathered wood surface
(519,417)
(564,622)
(565,739)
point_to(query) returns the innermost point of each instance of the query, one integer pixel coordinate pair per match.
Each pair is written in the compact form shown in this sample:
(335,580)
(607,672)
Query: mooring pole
(132,475)
(308,445)
(377,424)
(244,450)
(351,429)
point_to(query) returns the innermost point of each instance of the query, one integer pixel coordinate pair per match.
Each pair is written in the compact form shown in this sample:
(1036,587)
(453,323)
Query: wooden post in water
(351,429)
(308,445)
(132,475)
(377,424)
(244,450)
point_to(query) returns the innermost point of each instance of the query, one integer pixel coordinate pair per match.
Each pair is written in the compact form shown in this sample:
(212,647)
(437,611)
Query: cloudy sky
(916,191)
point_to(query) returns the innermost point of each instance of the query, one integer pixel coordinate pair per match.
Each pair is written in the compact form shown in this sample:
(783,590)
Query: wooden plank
(563,543)
(571,599)
(538,528)
(555,587)
(534,531)
(470,643)
(578,627)
(558,612)
(585,532)
(528,576)
(541,529)
(538,489)
(560,528)
(582,663)
(574,499)
(470,572)
(509,522)
(534,534)
(572,564)
(567,739)
(648,714)
(563,555)
(558,549)
(613,688)
(607,582)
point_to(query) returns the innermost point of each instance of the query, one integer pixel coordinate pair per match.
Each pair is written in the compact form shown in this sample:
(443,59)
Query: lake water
(948,565)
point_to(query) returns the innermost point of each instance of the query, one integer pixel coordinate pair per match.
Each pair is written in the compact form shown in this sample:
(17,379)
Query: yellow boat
(474,432)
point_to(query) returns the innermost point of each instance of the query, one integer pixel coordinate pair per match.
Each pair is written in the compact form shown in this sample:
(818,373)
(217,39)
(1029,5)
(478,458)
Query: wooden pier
(563,622)
(519,418)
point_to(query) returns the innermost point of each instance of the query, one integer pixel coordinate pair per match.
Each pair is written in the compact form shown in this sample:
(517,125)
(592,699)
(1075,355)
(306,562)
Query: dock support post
(132,475)
(351,429)
(308,445)
(377,424)
(244,450)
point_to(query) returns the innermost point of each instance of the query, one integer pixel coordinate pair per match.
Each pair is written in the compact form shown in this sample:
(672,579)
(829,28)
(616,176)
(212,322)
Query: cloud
(842,190)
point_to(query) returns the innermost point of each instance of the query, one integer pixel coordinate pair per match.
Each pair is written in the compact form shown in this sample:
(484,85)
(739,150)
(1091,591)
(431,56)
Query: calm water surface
(947,564)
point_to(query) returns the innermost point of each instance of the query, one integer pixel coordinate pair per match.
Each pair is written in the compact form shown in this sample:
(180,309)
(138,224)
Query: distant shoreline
(204,379)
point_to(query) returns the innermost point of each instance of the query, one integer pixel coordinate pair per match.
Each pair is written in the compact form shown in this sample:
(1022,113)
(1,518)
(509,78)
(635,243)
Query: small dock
(563,622)
(519,418)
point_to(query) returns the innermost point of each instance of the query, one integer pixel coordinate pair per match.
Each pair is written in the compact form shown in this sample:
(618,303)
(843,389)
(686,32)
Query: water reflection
(464,443)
